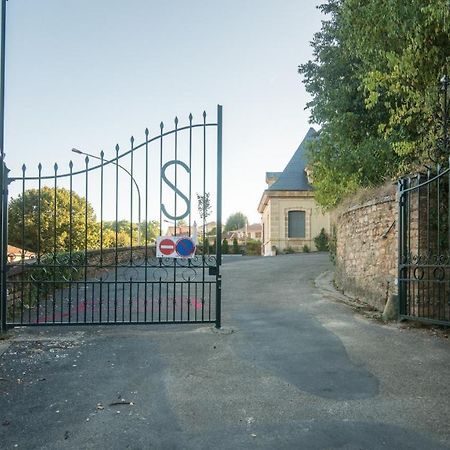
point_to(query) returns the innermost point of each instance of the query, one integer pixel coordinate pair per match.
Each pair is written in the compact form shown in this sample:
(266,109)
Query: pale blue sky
(90,73)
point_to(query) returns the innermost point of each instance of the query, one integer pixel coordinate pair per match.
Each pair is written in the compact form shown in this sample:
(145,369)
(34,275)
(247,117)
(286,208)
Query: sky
(90,73)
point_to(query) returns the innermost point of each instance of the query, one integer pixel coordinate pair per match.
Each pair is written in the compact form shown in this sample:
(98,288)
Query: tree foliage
(127,234)
(204,205)
(73,232)
(34,226)
(236,221)
(373,82)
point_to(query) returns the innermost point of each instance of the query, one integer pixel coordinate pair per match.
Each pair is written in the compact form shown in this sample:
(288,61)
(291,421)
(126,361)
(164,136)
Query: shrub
(253,248)
(59,267)
(225,247)
(332,244)
(289,250)
(322,241)
(52,273)
(305,249)
(236,249)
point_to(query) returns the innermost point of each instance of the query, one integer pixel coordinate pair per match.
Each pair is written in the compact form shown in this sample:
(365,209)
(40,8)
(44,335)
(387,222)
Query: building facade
(249,232)
(291,218)
(184,230)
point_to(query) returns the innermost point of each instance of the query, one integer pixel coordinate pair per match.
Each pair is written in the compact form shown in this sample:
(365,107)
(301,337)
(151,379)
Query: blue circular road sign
(185,247)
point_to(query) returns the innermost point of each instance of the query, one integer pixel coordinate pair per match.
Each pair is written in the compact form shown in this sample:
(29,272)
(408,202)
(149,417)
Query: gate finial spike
(161,125)
(176,120)
(204,114)
(117,148)
(70,165)
(102,154)
(56,167)
(86,160)
(190,117)
(24,168)
(132,140)
(146,132)
(39,167)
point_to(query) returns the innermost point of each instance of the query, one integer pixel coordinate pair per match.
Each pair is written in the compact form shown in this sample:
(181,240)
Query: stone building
(183,230)
(291,218)
(248,232)
(16,254)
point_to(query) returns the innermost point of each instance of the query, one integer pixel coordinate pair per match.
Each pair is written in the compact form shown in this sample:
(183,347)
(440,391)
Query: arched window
(296,224)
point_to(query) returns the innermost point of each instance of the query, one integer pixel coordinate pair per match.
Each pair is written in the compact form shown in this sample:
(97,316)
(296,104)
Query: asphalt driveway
(292,368)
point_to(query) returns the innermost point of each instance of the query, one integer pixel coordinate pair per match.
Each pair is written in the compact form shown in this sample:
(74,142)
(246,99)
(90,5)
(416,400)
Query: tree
(204,205)
(32,221)
(373,87)
(149,230)
(403,47)
(206,246)
(321,241)
(236,221)
(348,151)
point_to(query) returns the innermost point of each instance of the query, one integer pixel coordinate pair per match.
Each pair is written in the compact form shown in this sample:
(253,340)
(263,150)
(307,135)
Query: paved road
(292,368)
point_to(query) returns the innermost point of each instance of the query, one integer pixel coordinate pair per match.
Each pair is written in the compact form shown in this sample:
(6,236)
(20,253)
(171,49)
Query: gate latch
(213,271)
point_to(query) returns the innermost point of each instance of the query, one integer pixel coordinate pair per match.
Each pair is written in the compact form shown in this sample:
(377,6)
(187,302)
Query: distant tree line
(42,222)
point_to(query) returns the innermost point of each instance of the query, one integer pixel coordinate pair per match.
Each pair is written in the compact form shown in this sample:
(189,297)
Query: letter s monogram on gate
(175,189)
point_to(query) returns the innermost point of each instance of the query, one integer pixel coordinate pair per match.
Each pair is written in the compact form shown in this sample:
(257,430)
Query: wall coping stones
(374,202)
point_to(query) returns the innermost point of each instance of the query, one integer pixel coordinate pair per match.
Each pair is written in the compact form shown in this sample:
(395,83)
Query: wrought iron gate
(82,240)
(424,237)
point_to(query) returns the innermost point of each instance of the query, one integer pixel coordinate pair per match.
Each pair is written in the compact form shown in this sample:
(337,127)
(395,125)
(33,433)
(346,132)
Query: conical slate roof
(293,177)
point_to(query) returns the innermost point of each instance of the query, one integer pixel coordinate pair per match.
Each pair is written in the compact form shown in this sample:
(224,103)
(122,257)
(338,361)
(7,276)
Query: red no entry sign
(175,247)
(167,246)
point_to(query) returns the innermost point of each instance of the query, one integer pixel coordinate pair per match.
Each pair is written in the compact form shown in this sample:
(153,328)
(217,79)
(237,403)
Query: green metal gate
(424,237)
(78,245)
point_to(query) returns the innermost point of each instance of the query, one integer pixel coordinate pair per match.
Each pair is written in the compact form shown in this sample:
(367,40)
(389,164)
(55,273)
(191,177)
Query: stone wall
(366,247)
(96,260)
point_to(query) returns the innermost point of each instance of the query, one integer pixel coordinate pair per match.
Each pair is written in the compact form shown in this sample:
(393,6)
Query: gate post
(402,233)
(219,220)
(3,243)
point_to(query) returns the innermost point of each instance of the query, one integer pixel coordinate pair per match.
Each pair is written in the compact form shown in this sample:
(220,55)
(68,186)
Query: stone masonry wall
(109,257)
(366,248)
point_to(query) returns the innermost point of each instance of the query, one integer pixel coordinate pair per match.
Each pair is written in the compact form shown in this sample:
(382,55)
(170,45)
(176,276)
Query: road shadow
(298,348)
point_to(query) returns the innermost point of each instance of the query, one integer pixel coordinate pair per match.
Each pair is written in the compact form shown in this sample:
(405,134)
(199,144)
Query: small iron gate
(424,237)
(82,241)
